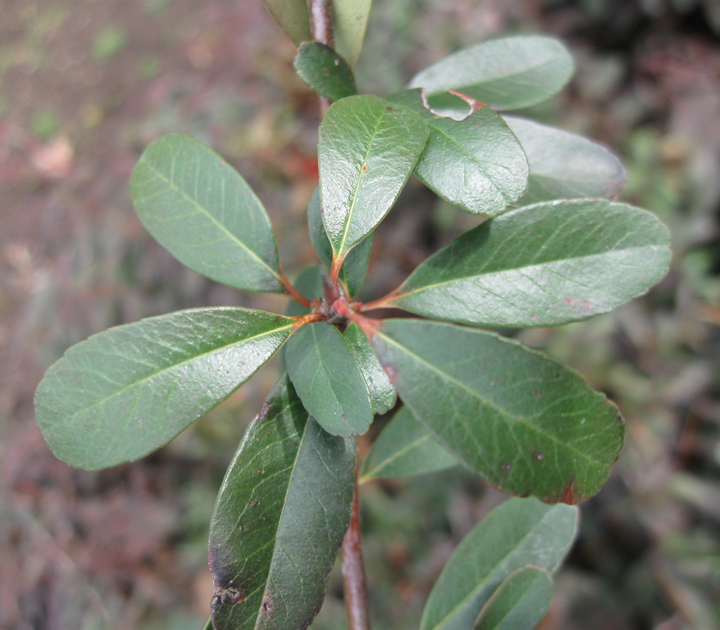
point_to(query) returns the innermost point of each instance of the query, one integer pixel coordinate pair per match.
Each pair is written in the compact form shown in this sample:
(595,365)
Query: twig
(294,293)
(353,571)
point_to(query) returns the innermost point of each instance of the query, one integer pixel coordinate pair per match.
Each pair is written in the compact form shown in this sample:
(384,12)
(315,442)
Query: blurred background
(85,85)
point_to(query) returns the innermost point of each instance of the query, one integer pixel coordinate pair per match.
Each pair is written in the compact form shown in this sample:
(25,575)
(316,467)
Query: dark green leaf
(564,165)
(526,423)
(542,265)
(405,448)
(125,392)
(309,282)
(199,208)
(476,164)
(354,269)
(382,393)
(520,602)
(367,150)
(280,518)
(508,73)
(350,21)
(517,533)
(292,17)
(326,72)
(328,379)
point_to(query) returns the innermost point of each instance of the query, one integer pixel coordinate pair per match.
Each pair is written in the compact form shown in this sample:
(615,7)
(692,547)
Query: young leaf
(124,392)
(354,269)
(564,165)
(405,448)
(526,423)
(509,73)
(476,163)
(292,17)
(199,208)
(326,72)
(519,603)
(382,393)
(280,518)
(542,265)
(367,149)
(350,21)
(328,379)
(517,533)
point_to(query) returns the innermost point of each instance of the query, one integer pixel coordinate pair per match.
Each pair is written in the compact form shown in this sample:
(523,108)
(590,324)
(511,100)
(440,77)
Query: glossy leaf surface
(405,448)
(328,379)
(292,17)
(326,72)
(350,21)
(509,73)
(519,603)
(354,269)
(523,421)
(280,518)
(476,164)
(517,533)
(564,165)
(204,213)
(367,150)
(542,265)
(124,392)
(382,393)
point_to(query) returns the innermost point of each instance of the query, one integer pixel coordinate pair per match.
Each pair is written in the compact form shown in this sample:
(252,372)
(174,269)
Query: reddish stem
(383,302)
(353,570)
(294,293)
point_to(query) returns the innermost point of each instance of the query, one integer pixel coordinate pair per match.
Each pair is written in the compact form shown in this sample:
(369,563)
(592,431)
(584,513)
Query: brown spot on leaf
(267,605)
(254,502)
(538,456)
(568,494)
(569,301)
(507,467)
(364,168)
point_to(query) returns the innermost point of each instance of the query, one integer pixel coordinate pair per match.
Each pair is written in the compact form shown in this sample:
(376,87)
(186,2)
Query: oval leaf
(292,17)
(508,73)
(124,392)
(328,379)
(520,602)
(526,423)
(280,518)
(564,165)
(517,533)
(354,269)
(405,448)
(382,393)
(367,150)
(204,213)
(542,265)
(326,72)
(476,163)
(350,19)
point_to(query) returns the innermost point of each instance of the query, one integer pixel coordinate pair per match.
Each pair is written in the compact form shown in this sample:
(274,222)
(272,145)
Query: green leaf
(517,533)
(405,448)
(476,163)
(519,603)
(310,283)
(124,392)
(292,17)
(382,393)
(542,265)
(523,421)
(326,72)
(509,73)
(350,21)
(208,625)
(199,208)
(564,165)
(354,269)
(328,379)
(280,518)
(367,150)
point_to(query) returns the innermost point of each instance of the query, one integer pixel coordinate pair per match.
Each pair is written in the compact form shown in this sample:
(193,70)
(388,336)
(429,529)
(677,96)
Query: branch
(353,570)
